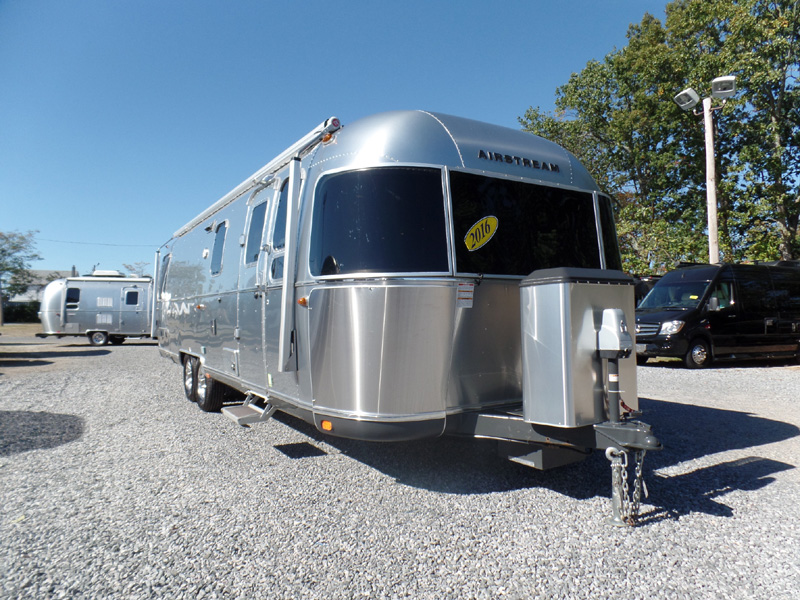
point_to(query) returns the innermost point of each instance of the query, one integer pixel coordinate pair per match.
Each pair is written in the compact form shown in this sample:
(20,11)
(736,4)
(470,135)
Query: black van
(705,312)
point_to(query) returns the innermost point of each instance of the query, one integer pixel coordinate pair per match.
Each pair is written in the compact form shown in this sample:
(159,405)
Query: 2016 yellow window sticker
(480,233)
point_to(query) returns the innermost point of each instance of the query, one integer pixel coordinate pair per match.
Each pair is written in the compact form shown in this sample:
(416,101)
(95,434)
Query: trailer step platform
(249,413)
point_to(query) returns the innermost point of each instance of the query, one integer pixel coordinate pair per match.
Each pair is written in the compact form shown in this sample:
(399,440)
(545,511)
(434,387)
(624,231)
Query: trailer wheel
(116,339)
(698,355)
(98,338)
(189,378)
(209,393)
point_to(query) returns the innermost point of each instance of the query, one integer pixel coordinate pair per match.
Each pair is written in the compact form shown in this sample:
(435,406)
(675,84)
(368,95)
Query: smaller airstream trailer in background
(408,276)
(105,307)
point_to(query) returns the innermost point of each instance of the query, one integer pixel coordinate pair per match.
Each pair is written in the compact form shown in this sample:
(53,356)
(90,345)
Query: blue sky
(120,120)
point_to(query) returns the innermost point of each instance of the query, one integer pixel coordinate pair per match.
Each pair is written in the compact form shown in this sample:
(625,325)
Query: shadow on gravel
(45,357)
(471,466)
(21,431)
(728,363)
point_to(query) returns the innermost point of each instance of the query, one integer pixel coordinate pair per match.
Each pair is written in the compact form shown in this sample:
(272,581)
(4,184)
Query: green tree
(17,250)
(137,269)
(618,117)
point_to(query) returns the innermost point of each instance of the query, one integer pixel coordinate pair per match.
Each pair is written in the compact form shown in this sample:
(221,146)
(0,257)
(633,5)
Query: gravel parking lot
(115,486)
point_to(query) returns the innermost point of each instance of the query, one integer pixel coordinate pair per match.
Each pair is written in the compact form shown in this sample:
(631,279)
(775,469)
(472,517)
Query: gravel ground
(114,486)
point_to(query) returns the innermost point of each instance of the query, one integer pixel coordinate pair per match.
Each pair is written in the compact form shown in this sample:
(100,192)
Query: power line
(100,244)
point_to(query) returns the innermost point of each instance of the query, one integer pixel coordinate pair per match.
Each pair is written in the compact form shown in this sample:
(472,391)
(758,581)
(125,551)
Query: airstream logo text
(175,310)
(517,160)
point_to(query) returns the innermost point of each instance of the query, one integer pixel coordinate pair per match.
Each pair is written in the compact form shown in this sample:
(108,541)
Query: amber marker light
(326,425)
(303,301)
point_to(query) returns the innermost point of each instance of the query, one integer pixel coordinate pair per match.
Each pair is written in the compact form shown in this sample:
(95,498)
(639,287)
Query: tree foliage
(137,269)
(17,251)
(618,118)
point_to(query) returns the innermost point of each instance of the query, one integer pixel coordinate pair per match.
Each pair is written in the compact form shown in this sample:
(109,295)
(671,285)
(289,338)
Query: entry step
(247,414)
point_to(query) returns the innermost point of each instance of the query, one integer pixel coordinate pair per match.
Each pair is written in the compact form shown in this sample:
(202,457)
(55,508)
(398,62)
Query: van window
(73,297)
(723,292)
(757,295)
(219,244)
(787,291)
(253,246)
(535,226)
(131,298)
(382,220)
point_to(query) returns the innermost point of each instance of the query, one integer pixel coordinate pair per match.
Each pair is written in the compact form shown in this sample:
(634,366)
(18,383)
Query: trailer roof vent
(108,273)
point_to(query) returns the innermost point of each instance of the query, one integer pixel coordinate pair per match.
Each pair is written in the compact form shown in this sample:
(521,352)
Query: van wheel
(209,393)
(698,355)
(98,338)
(189,378)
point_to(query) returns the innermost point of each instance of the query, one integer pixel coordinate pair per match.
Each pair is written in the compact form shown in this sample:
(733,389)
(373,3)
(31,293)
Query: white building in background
(41,277)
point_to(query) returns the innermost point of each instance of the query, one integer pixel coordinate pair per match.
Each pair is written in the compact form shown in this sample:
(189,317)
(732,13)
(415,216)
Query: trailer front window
(383,220)
(505,227)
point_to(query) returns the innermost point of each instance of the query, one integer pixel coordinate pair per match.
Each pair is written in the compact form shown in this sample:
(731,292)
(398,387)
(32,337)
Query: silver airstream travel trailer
(407,276)
(105,307)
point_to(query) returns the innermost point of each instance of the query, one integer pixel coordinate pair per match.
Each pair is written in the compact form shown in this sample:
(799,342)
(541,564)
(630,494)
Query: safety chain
(626,507)
(639,486)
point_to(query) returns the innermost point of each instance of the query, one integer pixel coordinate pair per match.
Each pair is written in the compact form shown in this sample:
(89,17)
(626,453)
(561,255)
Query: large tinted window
(504,227)
(787,291)
(757,296)
(385,220)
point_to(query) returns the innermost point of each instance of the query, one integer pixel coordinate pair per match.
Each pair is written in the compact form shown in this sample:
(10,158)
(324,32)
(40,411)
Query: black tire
(190,378)
(698,355)
(641,360)
(116,339)
(209,393)
(98,338)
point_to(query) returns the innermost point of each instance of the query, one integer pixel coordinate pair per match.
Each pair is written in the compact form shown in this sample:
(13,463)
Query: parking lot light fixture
(722,88)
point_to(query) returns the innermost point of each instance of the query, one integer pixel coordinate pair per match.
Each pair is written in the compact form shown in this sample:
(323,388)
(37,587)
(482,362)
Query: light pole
(721,88)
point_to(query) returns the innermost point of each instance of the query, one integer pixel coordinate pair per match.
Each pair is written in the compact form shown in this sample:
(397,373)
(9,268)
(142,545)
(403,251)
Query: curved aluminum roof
(438,139)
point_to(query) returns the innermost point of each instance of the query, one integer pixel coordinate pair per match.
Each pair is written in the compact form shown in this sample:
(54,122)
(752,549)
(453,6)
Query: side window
(279,233)
(131,298)
(724,293)
(610,242)
(279,229)
(253,246)
(73,297)
(219,245)
(756,290)
(164,270)
(787,291)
